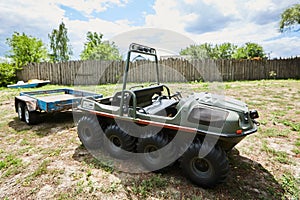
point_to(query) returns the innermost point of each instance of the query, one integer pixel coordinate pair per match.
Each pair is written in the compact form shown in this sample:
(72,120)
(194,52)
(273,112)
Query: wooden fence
(171,70)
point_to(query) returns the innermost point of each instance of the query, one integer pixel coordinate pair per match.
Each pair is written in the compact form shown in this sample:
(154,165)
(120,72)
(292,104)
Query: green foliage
(96,49)
(289,18)
(7,74)
(254,50)
(224,51)
(60,49)
(239,53)
(250,50)
(197,51)
(93,40)
(26,49)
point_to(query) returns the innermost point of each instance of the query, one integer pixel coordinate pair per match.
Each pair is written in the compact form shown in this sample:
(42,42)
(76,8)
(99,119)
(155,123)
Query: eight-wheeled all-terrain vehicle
(159,128)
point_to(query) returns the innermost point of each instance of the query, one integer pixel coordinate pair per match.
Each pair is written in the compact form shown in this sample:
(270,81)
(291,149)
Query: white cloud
(211,21)
(39,18)
(283,47)
(191,2)
(233,21)
(166,16)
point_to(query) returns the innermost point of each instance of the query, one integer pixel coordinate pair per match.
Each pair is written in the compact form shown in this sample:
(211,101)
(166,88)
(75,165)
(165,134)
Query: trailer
(29,105)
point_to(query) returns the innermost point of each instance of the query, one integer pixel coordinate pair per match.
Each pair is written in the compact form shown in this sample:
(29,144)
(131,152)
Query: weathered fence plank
(171,70)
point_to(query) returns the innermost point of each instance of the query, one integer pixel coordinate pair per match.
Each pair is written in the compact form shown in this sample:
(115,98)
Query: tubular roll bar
(136,48)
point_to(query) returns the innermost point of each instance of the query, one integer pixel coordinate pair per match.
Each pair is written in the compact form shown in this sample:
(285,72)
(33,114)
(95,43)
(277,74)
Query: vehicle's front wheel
(31,117)
(206,171)
(90,132)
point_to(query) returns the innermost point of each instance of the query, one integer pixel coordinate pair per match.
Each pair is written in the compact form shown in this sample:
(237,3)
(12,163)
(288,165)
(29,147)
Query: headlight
(88,105)
(254,114)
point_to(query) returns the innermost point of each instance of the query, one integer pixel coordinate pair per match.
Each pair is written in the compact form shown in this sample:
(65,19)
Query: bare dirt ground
(47,161)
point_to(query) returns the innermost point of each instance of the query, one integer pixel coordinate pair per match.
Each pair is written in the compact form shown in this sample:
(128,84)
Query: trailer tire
(156,153)
(206,172)
(31,117)
(118,143)
(90,132)
(21,111)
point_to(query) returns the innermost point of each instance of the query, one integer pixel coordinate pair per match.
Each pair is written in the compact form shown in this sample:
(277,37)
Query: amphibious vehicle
(161,128)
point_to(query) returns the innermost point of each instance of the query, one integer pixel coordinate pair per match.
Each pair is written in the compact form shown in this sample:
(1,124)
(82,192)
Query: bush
(7,74)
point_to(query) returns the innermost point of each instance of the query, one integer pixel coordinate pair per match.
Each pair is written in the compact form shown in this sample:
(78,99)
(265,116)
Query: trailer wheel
(20,111)
(156,153)
(31,117)
(206,171)
(118,143)
(90,132)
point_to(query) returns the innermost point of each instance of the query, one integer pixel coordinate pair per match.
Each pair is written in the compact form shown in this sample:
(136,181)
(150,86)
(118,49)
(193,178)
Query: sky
(170,25)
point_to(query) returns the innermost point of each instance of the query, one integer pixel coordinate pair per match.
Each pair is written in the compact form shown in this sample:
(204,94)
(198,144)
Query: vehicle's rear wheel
(207,171)
(90,132)
(20,111)
(31,117)
(118,143)
(156,153)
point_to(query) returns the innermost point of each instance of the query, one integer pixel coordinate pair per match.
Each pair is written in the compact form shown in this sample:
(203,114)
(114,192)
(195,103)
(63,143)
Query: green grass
(273,132)
(279,113)
(144,188)
(291,185)
(28,153)
(295,126)
(105,165)
(297,143)
(42,169)
(279,156)
(112,188)
(296,150)
(10,165)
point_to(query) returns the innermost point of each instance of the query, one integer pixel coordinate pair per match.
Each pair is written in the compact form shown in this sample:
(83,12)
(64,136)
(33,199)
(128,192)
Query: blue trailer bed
(29,104)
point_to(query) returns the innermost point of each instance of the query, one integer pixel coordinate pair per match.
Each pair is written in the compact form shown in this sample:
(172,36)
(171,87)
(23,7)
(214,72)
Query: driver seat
(159,107)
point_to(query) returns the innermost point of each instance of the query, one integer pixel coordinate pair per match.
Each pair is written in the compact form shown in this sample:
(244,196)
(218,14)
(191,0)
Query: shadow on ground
(47,123)
(247,180)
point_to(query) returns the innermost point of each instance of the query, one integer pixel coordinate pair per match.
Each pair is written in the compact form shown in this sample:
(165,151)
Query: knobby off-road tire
(156,153)
(205,172)
(31,117)
(118,143)
(21,111)
(90,132)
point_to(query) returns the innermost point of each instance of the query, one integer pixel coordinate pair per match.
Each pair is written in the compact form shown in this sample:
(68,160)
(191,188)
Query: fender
(31,103)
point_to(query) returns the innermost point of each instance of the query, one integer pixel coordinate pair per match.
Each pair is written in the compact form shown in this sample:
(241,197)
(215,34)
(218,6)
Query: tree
(96,49)
(290,17)
(206,50)
(26,49)
(254,50)
(240,53)
(197,51)
(7,73)
(61,50)
(250,50)
(225,51)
